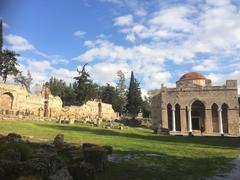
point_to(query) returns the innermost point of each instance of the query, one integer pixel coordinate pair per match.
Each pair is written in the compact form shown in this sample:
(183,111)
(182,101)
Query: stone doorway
(196,123)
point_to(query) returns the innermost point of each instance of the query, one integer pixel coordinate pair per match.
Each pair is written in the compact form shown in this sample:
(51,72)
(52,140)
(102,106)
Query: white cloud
(124,20)
(18,43)
(79,34)
(207,65)
(174,19)
(5,25)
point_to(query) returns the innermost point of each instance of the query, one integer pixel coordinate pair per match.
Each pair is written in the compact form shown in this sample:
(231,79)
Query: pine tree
(85,89)
(134,99)
(120,99)
(8,64)
(24,81)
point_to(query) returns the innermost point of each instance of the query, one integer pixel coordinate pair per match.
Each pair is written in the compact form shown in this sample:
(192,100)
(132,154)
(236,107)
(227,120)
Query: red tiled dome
(192,76)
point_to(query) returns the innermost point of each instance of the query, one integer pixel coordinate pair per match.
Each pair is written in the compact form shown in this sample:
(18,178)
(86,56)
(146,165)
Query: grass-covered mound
(140,154)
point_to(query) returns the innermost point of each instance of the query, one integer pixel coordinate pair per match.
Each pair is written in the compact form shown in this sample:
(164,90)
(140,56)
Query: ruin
(16,102)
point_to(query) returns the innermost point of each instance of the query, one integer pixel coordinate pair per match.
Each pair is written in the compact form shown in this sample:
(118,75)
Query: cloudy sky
(157,39)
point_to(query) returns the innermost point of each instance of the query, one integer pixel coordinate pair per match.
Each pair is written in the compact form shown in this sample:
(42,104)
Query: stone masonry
(16,101)
(194,106)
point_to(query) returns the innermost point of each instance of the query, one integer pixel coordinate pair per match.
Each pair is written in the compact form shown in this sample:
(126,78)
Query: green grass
(139,154)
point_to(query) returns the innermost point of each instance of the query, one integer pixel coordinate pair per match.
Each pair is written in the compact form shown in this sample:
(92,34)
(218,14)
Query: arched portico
(215,118)
(198,115)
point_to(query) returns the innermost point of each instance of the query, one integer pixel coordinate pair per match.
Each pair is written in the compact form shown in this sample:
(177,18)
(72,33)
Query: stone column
(173,120)
(183,120)
(220,121)
(190,121)
(164,118)
(208,121)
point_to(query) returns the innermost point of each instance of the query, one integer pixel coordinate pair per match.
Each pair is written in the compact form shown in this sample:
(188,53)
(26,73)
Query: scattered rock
(59,141)
(108,149)
(82,171)
(61,174)
(95,155)
(14,137)
(87,145)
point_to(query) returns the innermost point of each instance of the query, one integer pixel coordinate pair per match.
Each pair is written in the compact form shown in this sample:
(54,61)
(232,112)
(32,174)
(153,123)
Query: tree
(107,94)
(85,89)
(121,99)
(134,99)
(70,96)
(146,107)
(24,81)
(8,64)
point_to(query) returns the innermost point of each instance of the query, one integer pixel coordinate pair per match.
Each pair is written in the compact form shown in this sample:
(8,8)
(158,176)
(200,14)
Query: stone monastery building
(195,106)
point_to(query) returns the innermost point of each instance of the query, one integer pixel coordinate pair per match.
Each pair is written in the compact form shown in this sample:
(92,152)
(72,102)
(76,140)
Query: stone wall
(16,101)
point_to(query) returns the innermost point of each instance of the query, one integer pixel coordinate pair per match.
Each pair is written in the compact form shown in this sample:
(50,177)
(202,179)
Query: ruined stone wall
(17,101)
(91,111)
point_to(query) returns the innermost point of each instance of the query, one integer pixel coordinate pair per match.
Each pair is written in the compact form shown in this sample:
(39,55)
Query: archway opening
(6,101)
(225,117)
(215,119)
(178,117)
(99,110)
(169,113)
(198,115)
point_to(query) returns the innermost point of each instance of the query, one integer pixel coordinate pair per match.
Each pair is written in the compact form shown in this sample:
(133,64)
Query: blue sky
(159,39)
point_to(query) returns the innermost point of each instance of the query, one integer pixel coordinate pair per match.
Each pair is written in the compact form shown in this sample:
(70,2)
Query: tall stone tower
(1,35)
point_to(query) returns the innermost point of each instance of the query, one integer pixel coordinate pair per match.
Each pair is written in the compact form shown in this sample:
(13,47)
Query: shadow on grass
(224,142)
(163,167)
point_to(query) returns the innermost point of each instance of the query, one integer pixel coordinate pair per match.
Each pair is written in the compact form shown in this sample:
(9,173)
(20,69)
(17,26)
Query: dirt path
(234,174)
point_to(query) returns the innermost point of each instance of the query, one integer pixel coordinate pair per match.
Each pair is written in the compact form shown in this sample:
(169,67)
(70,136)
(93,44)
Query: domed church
(196,107)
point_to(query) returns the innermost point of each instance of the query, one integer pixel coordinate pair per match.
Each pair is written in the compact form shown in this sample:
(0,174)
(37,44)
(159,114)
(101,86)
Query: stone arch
(225,108)
(215,118)
(6,100)
(178,117)
(197,99)
(169,114)
(198,115)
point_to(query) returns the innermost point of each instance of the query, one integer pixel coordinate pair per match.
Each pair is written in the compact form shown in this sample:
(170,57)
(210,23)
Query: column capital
(189,109)
(173,109)
(219,109)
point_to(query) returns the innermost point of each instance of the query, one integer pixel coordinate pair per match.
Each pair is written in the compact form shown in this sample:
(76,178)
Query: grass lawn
(139,154)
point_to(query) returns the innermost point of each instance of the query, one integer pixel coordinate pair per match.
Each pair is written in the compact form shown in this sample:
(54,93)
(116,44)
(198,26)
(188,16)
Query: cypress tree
(134,99)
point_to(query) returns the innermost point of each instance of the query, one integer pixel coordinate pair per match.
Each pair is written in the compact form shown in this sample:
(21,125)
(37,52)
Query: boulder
(14,137)
(95,155)
(59,141)
(82,171)
(61,174)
